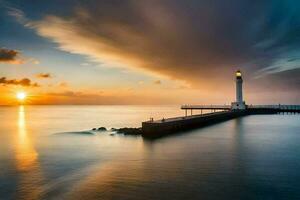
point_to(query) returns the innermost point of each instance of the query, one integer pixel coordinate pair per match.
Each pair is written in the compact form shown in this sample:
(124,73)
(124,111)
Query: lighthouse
(240,103)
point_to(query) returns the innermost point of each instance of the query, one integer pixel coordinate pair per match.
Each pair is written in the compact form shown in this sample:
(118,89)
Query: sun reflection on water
(26,155)
(27,161)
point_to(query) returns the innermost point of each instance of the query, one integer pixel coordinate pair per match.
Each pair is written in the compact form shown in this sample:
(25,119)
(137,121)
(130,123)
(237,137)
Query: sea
(50,152)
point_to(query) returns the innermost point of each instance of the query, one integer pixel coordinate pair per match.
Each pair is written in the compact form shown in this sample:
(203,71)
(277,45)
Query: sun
(21,96)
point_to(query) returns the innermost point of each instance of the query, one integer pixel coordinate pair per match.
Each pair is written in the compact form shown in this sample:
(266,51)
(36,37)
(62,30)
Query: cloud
(96,98)
(33,61)
(22,82)
(70,94)
(9,56)
(18,14)
(157,82)
(63,84)
(44,75)
(84,64)
(36,62)
(201,42)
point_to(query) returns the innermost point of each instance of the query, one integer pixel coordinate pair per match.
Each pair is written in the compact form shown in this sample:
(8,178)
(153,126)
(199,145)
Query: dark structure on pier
(219,113)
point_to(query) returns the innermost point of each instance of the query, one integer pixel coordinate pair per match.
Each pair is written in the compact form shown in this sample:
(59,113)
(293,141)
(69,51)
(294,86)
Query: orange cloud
(164,49)
(44,75)
(99,98)
(202,46)
(63,84)
(157,82)
(161,51)
(23,82)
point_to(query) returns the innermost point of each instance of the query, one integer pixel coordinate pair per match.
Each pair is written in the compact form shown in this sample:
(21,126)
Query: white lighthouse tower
(240,103)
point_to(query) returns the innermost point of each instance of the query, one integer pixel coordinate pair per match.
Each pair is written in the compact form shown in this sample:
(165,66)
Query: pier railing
(279,106)
(206,107)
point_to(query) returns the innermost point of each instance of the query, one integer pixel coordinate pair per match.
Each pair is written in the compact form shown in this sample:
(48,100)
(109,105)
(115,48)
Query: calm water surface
(254,157)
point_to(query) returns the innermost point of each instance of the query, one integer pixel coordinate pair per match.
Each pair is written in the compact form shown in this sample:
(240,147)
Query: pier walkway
(158,128)
(161,127)
(174,119)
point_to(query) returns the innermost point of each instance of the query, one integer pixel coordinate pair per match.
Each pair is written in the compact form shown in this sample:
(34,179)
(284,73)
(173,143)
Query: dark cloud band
(201,42)
(7,55)
(22,82)
(44,75)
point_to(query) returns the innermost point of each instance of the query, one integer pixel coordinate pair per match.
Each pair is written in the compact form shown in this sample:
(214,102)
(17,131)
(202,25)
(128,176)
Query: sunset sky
(149,52)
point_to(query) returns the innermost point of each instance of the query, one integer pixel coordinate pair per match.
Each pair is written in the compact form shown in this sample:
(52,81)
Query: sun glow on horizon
(21,96)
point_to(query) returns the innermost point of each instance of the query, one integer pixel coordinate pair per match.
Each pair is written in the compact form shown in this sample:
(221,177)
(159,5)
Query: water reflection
(26,155)
(254,157)
(27,164)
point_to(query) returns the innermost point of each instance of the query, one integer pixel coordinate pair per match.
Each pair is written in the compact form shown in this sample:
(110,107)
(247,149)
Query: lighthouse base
(238,105)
